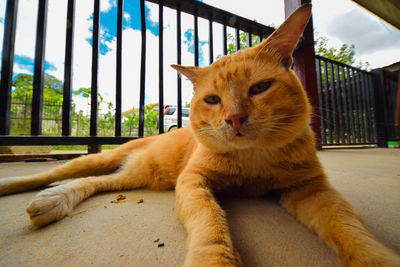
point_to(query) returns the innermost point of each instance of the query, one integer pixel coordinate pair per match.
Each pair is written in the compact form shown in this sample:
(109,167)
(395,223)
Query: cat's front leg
(210,243)
(320,207)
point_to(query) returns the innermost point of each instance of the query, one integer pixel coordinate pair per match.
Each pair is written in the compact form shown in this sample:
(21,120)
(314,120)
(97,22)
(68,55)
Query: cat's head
(251,98)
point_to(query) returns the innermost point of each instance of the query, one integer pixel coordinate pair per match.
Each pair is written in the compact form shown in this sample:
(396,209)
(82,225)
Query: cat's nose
(236,117)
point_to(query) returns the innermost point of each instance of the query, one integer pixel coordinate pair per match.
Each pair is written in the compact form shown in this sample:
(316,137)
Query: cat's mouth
(239,134)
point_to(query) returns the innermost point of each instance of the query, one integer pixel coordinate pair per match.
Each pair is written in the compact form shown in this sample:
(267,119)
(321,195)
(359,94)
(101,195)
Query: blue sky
(108,23)
(108,31)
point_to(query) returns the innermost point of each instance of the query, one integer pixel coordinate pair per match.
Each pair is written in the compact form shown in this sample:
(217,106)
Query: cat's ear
(284,39)
(192,73)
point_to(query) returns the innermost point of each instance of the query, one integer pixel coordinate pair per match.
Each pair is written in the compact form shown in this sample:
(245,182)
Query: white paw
(50,205)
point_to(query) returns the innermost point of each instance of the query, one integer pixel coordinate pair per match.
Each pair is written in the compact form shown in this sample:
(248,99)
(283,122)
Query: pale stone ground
(109,234)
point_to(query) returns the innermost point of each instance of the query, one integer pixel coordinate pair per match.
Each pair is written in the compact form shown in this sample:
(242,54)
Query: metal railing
(347,105)
(387,86)
(194,8)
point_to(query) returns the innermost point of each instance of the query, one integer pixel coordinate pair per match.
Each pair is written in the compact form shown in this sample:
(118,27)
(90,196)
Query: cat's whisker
(275,118)
(287,129)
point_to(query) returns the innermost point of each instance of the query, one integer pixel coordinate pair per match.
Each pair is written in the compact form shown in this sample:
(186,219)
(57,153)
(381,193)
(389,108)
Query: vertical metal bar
(118,85)
(359,106)
(345,109)
(69,56)
(211,39)
(179,55)
(10,26)
(38,77)
(371,97)
(333,101)
(237,39)
(339,103)
(380,105)
(327,109)
(366,108)
(321,102)
(249,40)
(95,67)
(361,99)
(225,41)
(259,38)
(373,108)
(369,108)
(352,106)
(196,39)
(355,105)
(160,67)
(142,68)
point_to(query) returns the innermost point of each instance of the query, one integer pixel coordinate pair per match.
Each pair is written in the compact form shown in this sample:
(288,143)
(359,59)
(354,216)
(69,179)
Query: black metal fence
(387,84)
(347,95)
(194,8)
(347,104)
(391,97)
(20,117)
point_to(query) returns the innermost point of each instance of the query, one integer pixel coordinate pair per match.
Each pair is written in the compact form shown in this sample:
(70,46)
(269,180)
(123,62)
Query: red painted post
(304,67)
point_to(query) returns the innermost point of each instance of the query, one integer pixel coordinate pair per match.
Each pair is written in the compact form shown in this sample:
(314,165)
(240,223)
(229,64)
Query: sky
(341,21)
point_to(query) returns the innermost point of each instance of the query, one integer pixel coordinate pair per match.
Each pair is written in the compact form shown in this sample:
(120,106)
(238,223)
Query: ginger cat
(249,134)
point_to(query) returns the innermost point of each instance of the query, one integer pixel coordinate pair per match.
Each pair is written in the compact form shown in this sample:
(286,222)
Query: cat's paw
(50,205)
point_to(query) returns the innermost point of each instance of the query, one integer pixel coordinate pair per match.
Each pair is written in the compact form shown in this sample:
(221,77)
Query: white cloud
(266,12)
(26,28)
(55,39)
(367,33)
(152,15)
(106,5)
(127,17)
(343,21)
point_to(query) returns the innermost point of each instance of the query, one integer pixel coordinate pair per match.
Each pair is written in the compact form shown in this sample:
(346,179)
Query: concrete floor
(107,234)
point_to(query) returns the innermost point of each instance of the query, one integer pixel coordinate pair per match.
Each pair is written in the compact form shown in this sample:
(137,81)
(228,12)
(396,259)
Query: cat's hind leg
(320,207)
(90,165)
(55,203)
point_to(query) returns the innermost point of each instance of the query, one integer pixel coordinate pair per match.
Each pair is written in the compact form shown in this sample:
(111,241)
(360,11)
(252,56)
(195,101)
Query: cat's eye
(212,100)
(259,88)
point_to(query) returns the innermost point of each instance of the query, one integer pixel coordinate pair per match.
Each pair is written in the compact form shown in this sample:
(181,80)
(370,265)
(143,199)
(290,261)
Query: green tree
(345,54)
(52,91)
(21,104)
(130,121)
(231,42)
(150,120)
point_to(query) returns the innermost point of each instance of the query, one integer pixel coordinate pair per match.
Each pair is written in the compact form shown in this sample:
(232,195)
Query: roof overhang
(388,10)
(393,67)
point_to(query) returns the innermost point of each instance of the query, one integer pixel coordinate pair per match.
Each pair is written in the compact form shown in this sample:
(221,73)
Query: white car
(171,118)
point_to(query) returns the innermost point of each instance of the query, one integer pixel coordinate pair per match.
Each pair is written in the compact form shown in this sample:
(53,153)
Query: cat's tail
(90,165)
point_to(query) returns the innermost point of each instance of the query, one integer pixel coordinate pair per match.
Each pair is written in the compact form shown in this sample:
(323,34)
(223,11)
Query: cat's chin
(241,141)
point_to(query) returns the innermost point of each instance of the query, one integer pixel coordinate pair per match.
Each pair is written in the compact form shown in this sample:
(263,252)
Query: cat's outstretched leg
(210,243)
(91,165)
(320,207)
(55,203)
